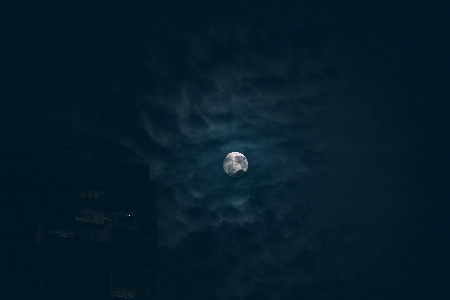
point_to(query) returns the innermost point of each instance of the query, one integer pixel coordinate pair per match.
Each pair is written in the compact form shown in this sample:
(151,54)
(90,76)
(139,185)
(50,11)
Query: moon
(235,164)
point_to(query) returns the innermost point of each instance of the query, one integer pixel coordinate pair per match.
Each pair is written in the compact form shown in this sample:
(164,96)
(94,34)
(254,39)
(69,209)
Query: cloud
(297,88)
(266,86)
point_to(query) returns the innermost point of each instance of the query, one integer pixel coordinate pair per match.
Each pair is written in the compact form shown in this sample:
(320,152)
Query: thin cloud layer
(268,90)
(268,86)
(311,94)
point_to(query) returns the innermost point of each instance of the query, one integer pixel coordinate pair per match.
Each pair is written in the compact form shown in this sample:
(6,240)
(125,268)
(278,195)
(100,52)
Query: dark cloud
(323,100)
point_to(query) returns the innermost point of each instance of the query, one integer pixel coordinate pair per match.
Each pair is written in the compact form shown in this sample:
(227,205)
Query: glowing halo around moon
(235,164)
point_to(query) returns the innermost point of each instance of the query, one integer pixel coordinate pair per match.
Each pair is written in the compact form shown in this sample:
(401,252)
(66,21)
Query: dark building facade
(90,232)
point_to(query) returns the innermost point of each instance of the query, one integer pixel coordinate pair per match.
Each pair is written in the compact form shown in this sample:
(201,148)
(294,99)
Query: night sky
(340,108)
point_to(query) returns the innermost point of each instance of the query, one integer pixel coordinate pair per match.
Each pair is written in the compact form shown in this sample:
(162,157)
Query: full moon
(235,164)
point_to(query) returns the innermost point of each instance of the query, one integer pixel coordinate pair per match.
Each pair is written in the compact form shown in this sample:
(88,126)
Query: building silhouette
(87,231)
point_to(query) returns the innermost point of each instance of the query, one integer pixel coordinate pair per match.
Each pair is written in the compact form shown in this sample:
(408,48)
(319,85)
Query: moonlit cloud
(269,87)
(325,100)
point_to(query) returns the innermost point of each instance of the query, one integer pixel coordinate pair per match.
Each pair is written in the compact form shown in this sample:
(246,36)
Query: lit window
(96,194)
(83,194)
(89,193)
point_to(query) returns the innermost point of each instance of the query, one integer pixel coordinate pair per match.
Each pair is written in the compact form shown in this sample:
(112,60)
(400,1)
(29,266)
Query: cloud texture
(305,92)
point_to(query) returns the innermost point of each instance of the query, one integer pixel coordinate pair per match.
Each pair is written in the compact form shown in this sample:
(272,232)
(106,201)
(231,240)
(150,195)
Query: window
(90,216)
(95,194)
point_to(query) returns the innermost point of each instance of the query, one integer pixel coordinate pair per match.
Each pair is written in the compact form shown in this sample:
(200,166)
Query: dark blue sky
(339,108)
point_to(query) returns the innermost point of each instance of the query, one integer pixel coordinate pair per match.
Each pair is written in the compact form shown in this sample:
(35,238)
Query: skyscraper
(95,232)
